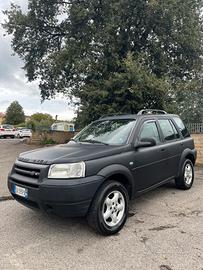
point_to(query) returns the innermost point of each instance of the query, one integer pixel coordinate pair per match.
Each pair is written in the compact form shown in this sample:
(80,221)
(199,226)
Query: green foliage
(40,121)
(21,125)
(46,140)
(31,125)
(38,117)
(126,91)
(113,56)
(14,114)
(186,99)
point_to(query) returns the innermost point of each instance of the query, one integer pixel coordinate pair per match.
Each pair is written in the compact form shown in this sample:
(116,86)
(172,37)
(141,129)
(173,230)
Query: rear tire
(186,179)
(109,210)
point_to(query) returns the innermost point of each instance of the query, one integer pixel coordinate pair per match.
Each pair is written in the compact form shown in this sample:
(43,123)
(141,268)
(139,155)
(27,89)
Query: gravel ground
(164,232)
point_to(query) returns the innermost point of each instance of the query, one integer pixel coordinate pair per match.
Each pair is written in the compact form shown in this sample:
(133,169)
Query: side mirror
(145,142)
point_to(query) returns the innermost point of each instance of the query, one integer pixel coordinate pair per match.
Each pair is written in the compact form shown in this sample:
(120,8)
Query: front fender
(111,170)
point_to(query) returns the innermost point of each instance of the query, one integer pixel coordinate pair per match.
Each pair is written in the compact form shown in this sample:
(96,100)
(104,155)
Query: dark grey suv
(112,160)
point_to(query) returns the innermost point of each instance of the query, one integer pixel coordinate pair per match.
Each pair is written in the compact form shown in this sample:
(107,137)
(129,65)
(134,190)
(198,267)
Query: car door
(149,162)
(172,144)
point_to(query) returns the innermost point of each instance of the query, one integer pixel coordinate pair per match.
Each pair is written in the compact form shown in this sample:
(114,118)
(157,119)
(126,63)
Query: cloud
(4,102)
(14,84)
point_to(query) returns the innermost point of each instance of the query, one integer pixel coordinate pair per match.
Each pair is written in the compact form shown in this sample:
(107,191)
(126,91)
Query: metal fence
(195,128)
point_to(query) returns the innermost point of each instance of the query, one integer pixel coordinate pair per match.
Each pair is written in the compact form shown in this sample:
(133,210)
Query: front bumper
(66,198)
(7,133)
(22,135)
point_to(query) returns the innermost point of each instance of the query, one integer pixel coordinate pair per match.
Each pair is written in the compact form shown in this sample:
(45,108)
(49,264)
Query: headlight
(69,170)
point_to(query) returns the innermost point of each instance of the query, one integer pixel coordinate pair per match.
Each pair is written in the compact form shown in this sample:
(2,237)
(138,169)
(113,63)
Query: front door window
(149,130)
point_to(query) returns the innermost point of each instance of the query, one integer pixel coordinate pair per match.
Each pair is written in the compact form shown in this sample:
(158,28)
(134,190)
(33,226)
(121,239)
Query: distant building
(63,126)
(2,116)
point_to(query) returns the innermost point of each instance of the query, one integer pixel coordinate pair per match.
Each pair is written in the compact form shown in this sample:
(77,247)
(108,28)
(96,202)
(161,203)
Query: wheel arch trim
(185,153)
(118,169)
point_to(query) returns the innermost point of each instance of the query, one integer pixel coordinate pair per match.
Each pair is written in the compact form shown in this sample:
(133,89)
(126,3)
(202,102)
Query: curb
(6,198)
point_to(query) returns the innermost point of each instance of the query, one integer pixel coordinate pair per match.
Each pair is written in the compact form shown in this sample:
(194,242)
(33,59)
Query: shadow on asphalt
(75,226)
(79,225)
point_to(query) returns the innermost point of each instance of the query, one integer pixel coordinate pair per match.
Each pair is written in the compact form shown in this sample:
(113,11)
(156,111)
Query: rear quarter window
(181,127)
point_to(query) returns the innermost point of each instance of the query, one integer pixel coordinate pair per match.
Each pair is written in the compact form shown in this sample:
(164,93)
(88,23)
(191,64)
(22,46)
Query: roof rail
(112,114)
(151,111)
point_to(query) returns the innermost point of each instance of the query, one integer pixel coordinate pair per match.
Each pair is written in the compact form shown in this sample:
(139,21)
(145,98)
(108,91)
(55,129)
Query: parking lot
(164,231)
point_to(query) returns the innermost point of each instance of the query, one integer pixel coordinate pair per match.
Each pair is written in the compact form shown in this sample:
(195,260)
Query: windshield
(114,132)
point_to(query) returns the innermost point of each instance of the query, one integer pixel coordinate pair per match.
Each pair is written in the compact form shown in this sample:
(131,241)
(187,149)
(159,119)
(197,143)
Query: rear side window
(149,130)
(167,130)
(175,130)
(182,127)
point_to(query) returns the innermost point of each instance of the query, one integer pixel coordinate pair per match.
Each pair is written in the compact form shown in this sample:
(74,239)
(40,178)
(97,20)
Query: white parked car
(23,132)
(7,131)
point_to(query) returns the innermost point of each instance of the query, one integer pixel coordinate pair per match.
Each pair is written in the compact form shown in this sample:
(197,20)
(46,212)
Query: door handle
(163,149)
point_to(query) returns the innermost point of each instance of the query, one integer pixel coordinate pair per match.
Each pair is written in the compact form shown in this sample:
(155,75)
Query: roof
(119,116)
(143,113)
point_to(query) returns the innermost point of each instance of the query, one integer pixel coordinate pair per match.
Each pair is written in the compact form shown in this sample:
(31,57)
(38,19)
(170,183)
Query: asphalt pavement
(164,232)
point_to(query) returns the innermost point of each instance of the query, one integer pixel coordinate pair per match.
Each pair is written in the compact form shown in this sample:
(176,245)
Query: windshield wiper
(94,141)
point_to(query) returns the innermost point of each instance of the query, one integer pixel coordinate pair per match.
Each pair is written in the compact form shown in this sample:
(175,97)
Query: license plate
(20,191)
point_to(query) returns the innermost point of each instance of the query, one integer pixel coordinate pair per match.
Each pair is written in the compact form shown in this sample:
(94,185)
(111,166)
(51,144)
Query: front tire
(109,210)
(186,179)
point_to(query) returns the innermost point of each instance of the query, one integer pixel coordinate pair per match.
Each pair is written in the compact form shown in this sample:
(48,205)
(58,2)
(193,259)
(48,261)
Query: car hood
(73,152)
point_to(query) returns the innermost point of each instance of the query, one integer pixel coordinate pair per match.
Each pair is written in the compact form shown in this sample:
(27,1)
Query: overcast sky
(14,85)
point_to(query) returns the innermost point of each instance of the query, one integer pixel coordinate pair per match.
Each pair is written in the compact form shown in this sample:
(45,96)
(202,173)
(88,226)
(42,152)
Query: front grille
(25,184)
(25,171)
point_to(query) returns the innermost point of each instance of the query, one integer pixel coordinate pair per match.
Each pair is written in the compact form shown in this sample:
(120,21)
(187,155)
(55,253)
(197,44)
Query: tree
(187,101)
(14,114)
(93,50)
(38,117)
(127,91)
(41,121)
